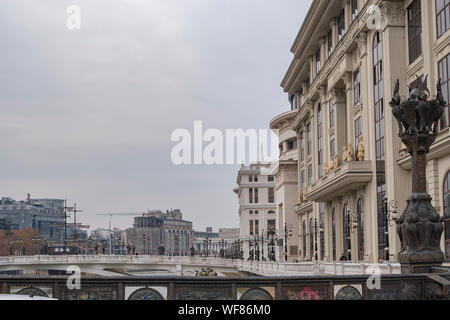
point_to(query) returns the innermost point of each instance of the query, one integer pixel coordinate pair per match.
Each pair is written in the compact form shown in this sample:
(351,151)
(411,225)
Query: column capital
(361,39)
(333,22)
(347,77)
(337,94)
(323,94)
(392,14)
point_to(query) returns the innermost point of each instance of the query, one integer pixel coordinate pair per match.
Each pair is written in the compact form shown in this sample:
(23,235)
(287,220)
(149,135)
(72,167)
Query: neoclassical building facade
(257,211)
(353,171)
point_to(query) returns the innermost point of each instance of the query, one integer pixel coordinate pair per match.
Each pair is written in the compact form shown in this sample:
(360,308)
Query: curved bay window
(333,233)
(446,191)
(304,240)
(320,140)
(322,233)
(311,239)
(360,216)
(346,232)
(383,247)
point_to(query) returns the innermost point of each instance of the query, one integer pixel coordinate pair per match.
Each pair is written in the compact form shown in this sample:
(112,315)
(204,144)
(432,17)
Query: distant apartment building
(43,215)
(352,167)
(257,209)
(206,239)
(156,228)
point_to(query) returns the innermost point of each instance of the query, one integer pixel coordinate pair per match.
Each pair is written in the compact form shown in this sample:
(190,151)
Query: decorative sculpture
(351,153)
(344,154)
(419,228)
(336,162)
(360,155)
(331,165)
(326,170)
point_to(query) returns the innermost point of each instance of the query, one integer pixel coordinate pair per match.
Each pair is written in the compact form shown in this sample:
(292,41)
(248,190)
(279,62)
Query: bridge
(115,265)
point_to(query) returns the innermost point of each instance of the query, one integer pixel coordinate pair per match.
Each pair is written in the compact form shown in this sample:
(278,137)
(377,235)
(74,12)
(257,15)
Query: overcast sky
(88,114)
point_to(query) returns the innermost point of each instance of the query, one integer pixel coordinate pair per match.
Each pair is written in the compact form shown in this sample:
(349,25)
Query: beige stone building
(286,186)
(351,163)
(257,210)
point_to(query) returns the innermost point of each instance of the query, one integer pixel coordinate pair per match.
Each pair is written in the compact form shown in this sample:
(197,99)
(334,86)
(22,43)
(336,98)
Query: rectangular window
(271,225)
(271,195)
(271,178)
(256,212)
(255,178)
(309,174)
(303,180)
(332,107)
(318,61)
(308,136)
(354,9)
(292,145)
(330,42)
(332,148)
(251,227)
(356,87)
(250,178)
(319,141)
(358,131)
(414,30)
(250,195)
(300,96)
(251,211)
(442,16)
(307,83)
(256,227)
(444,75)
(341,24)
(302,146)
(256,195)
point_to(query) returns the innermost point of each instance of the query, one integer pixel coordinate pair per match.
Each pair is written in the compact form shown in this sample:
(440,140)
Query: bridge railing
(392,287)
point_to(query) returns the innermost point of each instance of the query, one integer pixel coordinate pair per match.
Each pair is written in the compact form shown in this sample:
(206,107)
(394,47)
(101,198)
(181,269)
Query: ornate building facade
(353,171)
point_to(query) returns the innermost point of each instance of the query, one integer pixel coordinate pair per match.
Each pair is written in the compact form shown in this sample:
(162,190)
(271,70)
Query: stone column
(348,80)
(395,60)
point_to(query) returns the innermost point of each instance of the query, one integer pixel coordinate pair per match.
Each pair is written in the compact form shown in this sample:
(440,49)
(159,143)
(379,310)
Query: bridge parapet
(392,287)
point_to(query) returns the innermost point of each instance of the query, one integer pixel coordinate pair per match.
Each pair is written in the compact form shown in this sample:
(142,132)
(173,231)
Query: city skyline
(87,114)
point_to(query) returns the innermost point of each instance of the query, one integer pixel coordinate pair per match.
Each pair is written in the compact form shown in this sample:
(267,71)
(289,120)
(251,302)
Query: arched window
(311,239)
(333,233)
(360,215)
(304,240)
(383,246)
(322,227)
(446,191)
(346,233)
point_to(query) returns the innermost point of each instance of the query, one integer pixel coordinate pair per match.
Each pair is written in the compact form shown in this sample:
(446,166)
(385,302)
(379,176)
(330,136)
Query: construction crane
(135,214)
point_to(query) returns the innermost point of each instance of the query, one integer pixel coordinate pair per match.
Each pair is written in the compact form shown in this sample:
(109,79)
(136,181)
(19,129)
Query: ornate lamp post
(222,244)
(419,227)
(36,240)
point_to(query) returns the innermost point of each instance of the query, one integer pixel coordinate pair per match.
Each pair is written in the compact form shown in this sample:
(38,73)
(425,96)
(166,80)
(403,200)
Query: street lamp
(207,242)
(36,240)
(315,240)
(222,244)
(287,234)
